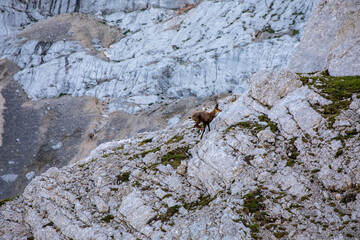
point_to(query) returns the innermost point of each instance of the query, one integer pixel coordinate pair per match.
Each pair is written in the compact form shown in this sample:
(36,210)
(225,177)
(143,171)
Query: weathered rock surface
(331,40)
(165,53)
(37,135)
(253,175)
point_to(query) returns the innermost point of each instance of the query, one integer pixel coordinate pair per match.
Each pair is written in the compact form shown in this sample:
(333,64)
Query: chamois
(205,118)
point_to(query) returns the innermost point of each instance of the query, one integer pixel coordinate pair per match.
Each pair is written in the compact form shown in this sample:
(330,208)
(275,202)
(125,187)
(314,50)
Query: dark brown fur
(205,118)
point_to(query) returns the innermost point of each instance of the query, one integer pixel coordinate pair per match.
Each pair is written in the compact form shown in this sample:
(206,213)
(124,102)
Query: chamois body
(205,118)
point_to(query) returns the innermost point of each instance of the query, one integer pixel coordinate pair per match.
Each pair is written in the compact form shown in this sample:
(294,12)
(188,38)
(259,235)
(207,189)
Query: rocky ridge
(163,51)
(274,165)
(120,62)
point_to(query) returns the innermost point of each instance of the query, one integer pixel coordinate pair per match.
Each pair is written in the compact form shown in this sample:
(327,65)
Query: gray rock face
(330,41)
(165,53)
(233,184)
(37,135)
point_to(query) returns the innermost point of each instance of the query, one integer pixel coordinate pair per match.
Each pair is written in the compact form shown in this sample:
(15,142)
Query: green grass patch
(143,154)
(175,156)
(337,89)
(200,203)
(175,139)
(2,202)
(253,201)
(118,148)
(280,234)
(339,153)
(272,125)
(145,141)
(255,127)
(171,211)
(123,177)
(290,162)
(108,218)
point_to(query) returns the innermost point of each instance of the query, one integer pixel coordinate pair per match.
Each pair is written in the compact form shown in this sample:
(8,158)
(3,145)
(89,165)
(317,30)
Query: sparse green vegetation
(167,195)
(272,125)
(2,202)
(145,141)
(280,234)
(175,156)
(290,162)
(175,139)
(337,89)
(200,203)
(268,29)
(171,211)
(108,218)
(118,148)
(123,177)
(253,126)
(339,153)
(142,154)
(295,32)
(253,201)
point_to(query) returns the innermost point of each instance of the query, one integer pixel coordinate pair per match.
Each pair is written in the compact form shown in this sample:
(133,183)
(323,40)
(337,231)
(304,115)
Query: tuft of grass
(290,162)
(337,89)
(171,211)
(145,141)
(339,153)
(175,156)
(2,202)
(272,125)
(175,139)
(255,127)
(200,203)
(108,218)
(268,29)
(280,234)
(253,201)
(123,177)
(118,148)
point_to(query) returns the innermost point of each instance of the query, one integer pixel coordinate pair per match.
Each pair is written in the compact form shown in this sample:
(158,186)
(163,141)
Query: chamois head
(205,118)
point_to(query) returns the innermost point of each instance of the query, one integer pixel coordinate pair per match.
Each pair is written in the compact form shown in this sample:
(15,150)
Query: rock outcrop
(280,170)
(165,52)
(37,135)
(281,159)
(331,40)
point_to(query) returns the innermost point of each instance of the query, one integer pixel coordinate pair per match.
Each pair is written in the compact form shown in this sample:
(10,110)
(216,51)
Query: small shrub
(123,177)
(108,218)
(145,141)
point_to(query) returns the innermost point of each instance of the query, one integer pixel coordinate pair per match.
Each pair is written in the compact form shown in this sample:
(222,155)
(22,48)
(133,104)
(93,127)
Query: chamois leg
(208,126)
(203,133)
(197,125)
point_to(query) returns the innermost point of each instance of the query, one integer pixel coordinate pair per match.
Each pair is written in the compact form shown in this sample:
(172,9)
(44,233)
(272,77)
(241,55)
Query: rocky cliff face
(334,46)
(274,165)
(163,53)
(122,58)
(281,159)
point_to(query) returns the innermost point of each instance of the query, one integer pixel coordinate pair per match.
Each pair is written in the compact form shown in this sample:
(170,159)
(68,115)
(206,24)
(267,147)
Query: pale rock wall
(331,40)
(210,49)
(232,184)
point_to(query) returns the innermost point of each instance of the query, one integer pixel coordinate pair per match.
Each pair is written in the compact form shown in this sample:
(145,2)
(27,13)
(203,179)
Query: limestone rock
(169,185)
(268,87)
(334,181)
(164,54)
(330,41)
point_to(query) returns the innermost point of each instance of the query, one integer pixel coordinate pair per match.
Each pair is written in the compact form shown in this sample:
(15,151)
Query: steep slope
(275,165)
(335,45)
(102,67)
(206,49)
